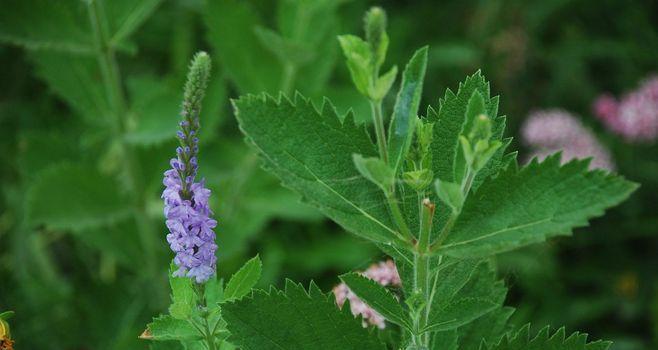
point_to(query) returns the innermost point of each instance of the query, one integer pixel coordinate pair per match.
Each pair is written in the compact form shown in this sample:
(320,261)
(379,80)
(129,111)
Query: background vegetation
(88,110)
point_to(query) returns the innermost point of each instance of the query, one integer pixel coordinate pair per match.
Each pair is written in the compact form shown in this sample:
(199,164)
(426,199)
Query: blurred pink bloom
(635,117)
(384,273)
(549,131)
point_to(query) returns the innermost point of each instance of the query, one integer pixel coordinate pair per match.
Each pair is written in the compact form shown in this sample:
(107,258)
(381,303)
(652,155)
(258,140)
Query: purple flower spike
(188,216)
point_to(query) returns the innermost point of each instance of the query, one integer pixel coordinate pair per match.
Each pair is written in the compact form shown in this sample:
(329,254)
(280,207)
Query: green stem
(378,120)
(114,89)
(426,215)
(445,231)
(208,334)
(288,79)
(422,280)
(399,218)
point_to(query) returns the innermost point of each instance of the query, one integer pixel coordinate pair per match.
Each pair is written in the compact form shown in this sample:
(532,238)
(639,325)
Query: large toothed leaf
(74,197)
(522,340)
(489,328)
(295,319)
(405,112)
(311,152)
(464,290)
(529,205)
(378,298)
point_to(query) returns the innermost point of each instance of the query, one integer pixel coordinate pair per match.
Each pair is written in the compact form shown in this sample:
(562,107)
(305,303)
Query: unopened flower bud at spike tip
(197,81)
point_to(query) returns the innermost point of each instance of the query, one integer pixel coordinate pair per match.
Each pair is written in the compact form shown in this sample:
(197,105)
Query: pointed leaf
(522,340)
(242,281)
(378,298)
(311,152)
(405,112)
(525,206)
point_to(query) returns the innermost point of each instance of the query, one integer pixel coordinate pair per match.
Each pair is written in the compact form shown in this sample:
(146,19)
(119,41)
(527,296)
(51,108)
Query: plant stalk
(114,89)
(378,120)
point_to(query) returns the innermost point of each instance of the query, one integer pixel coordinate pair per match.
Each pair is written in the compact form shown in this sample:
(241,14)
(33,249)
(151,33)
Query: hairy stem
(467,183)
(378,120)
(114,89)
(206,331)
(426,216)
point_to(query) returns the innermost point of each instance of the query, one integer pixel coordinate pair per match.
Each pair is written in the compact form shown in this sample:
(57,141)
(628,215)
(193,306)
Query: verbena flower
(635,116)
(188,216)
(549,131)
(384,273)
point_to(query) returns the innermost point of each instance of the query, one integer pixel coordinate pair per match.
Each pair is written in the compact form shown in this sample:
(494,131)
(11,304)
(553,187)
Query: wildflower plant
(438,192)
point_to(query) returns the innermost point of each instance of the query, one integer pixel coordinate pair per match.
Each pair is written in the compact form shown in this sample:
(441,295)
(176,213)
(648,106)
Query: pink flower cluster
(550,131)
(384,273)
(635,116)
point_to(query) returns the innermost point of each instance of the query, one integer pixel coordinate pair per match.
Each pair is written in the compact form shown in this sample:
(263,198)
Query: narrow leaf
(405,111)
(242,281)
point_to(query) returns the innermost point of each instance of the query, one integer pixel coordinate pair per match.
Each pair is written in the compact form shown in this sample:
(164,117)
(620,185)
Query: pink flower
(635,117)
(384,273)
(550,131)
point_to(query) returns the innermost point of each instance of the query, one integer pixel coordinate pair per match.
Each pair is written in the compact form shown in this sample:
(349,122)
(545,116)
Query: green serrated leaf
(91,199)
(167,327)
(488,328)
(183,296)
(522,340)
(244,280)
(311,152)
(539,201)
(405,112)
(295,319)
(463,291)
(377,297)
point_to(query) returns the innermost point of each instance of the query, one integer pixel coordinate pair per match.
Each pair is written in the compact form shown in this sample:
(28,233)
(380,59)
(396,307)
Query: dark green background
(95,285)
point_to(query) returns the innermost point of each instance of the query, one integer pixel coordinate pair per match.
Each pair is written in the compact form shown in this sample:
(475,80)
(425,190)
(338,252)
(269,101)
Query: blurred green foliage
(88,115)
